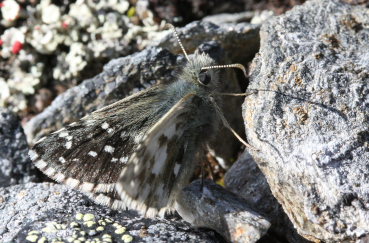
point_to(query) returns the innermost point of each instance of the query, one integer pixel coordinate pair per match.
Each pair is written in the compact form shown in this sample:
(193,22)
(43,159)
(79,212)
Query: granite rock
(246,180)
(206,204)
(15,166)
(47,211)
(240,41)
(309,118)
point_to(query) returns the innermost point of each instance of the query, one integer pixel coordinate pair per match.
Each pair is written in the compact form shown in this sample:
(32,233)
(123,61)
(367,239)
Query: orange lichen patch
(238,233)
(318,55)
(350,22)
(302,114)
(298,80)
(281,80)
(331,40)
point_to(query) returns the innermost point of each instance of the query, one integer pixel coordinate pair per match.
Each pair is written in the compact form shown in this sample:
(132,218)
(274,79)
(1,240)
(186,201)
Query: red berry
(65,25)
(17,46)
(1,42)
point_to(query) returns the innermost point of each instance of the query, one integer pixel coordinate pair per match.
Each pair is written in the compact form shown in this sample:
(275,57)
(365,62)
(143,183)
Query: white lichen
(50,13)
(10,10)
(45,39)
(9,38)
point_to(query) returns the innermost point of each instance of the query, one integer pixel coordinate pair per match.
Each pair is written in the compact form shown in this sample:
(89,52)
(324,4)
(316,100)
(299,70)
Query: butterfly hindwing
(163,162)
(89,154)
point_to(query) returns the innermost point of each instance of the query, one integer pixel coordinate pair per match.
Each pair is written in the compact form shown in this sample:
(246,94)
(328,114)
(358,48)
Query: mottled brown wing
(90,154)
(163,162)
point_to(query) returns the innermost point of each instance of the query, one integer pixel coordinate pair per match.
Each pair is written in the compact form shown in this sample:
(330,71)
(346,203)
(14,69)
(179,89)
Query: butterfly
(139,152)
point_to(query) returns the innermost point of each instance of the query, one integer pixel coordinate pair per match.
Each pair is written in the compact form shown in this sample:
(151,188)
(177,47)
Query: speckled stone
(56,212)
(15,166)
(310,118)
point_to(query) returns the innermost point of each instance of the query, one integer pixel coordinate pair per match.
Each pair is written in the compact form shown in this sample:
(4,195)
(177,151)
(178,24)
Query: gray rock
(15,166)
(245,179)
(230,18)
(32,211)
(206,204)
(240,41)
(310,120)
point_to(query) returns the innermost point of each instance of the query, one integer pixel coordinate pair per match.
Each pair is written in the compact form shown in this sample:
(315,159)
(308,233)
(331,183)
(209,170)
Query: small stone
(120,230)
(32,238)
(89,223)
(43,239)
(106,236)
(74,225)
(88,217)
(92,233)
(127,238)
(79,216)
(100,228)
(101,222)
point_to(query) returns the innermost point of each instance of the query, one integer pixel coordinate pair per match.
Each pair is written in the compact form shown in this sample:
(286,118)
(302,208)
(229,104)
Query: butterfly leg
(237,94)
(226,124)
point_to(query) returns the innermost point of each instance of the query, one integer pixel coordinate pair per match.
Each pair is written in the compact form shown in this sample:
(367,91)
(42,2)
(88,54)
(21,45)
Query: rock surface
(15,166)
(33,211)
(246,180)
(206,204)
(240,41)
(310,119)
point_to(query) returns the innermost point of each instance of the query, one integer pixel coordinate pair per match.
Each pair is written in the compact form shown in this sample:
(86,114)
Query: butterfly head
(207,79)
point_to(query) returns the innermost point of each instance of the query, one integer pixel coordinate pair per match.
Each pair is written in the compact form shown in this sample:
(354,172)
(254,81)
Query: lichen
(75,36)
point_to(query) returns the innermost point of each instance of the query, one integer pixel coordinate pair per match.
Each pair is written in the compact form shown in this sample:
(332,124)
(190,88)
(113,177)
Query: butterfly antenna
(235,65)
(179,41)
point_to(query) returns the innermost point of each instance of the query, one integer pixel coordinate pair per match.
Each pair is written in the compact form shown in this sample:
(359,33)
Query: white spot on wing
(72,182)
(176,169)
(63,134)
(32,154)
(92,153)
(105,126)
(62,160)
(123,159)
(110,130)
(114,160)
(160,158)
(50,171)
(138,138)
(59,177)
(109,149)
(87,186)
(68,145)
(40,164)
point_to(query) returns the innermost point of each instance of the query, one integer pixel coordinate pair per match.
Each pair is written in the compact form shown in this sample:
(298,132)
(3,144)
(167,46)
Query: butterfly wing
(89,154)
(164,161)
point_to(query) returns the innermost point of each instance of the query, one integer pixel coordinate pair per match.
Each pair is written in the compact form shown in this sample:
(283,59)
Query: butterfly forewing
(89,154)
(163,161)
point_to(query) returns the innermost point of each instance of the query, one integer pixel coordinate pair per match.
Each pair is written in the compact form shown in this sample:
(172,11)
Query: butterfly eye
(204,77)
